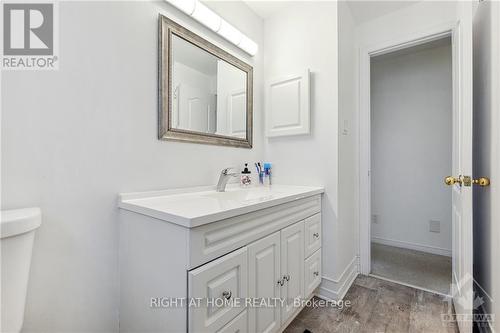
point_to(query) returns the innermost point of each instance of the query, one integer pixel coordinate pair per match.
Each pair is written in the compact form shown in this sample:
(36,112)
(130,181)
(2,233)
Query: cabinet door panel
(264,273)
(292,267)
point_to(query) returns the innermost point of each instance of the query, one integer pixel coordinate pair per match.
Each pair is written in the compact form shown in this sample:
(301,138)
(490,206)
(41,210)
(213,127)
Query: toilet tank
(17,232)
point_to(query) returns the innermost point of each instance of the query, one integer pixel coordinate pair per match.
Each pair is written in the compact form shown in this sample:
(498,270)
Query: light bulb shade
(248,45)
(229,32)
(206,16)
(211,20)
(187,6)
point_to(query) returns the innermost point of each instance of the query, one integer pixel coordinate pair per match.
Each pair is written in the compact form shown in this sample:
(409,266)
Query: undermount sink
(245,196)
(192,207)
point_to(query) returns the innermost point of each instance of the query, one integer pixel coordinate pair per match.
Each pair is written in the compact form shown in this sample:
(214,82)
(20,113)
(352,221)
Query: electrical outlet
(374,218)
(435,226)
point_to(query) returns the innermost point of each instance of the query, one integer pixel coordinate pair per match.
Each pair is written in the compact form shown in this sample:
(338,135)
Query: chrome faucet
(224,177)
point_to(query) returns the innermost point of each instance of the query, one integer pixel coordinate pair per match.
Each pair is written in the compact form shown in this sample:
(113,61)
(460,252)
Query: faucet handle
(225,171)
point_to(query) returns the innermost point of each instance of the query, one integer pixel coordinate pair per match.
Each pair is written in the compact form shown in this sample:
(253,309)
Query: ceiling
(266,9)
(362,11)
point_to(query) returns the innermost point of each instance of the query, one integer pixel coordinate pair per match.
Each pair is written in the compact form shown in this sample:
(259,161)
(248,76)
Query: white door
(462,290)
(263,283)
(193,108)
(292,268)
(237,113)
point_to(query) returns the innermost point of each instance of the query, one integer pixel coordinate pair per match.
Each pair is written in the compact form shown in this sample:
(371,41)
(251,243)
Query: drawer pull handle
(227,294)
(281,282)
(316,273)
(286,277)
(316,235)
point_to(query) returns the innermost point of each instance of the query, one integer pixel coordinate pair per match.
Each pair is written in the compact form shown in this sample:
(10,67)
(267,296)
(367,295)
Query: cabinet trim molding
(215,239)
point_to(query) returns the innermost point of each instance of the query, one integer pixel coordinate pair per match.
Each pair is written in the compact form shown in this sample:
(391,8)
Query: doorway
(411,101)
(460,182)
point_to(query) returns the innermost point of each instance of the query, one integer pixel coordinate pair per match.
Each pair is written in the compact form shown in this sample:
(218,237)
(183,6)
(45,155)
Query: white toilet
(17,232)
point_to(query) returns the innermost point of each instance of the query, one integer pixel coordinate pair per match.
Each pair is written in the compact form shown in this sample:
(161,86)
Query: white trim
(335,289)
(366,52)
(412,246)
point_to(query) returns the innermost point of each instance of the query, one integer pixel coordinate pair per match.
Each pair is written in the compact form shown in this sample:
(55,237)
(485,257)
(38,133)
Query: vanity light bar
(214,22)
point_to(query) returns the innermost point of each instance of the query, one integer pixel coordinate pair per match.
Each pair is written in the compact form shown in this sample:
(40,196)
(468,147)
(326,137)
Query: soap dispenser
(246,177)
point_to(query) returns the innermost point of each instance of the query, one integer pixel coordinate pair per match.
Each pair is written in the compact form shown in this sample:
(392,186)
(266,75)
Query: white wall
(74,138)
(487,155)
(411,140)
(304,35)
(416,18)
(347,242)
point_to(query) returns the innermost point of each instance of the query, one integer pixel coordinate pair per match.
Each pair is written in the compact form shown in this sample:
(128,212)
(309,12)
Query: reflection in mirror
(205,92)
(208,94)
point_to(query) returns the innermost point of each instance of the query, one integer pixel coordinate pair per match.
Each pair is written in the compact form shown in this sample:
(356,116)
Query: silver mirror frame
(167,28)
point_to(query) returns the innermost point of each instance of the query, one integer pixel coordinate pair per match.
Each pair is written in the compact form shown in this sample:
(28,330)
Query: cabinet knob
(316,273)
(316,235)
(281,282)
(286,277)
(227,294)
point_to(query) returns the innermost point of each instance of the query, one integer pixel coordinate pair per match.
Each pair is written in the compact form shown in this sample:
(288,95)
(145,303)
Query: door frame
(366,53)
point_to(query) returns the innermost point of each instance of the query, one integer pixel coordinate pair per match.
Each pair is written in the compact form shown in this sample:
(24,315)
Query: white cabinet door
(288,105)
(225,277)
(264,274)
(292,267)
(312,273)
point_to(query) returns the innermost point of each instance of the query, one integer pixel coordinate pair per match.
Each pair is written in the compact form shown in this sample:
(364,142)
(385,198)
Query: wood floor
(378,306)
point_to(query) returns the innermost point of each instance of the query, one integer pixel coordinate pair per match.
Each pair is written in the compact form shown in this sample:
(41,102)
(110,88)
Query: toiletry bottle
(246,177)
(267,174)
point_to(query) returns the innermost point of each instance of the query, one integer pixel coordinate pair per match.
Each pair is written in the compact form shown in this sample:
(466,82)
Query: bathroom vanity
(238,247)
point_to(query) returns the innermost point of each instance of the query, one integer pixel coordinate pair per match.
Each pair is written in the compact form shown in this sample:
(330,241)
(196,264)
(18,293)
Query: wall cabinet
(273,254)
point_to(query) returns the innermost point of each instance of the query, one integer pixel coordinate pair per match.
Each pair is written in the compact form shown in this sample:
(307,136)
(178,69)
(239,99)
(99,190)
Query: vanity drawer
(312,271)
(237,325)
(312,234)
(225,277)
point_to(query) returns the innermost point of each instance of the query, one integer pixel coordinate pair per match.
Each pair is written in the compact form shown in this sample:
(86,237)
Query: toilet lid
(18,221)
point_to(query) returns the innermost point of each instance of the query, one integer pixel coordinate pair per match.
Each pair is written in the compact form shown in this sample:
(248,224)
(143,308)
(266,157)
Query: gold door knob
(481,181)
(467,181)
(450,180)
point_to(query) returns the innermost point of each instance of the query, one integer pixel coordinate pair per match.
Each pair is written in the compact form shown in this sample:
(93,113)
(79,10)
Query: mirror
(205,93)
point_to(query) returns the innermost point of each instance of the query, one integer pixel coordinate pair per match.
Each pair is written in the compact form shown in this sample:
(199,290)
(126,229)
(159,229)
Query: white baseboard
(412,246)
(335,289)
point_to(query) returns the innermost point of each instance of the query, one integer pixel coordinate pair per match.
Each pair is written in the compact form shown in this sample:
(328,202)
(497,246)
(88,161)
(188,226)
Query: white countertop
(192,207)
